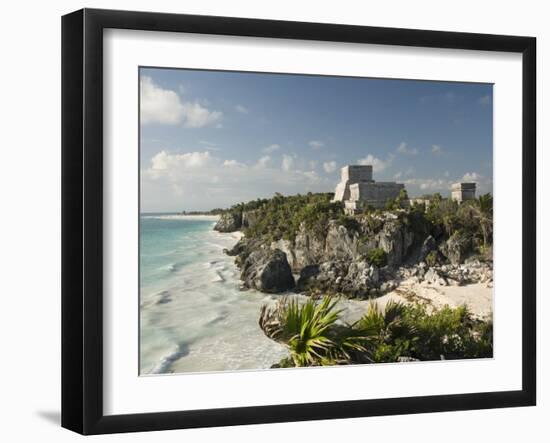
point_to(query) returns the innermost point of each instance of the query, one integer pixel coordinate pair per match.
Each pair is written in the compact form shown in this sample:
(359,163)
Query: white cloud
(418,186)
(202,181)
(233,163)
(471,177)
(263,161)
(163,160)
(398,175)
(288,163)
(197,116)
(429,185)
(403,148)
(312,164)
(316,144)
(241,109)
(378,165)
(330,166)
(483,183)
(164,106)
(159,105)
(437,150)
(271,148)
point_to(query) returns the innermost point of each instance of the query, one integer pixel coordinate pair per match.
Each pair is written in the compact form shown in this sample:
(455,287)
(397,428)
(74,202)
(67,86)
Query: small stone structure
(357,189)
(463,191)
(426,201)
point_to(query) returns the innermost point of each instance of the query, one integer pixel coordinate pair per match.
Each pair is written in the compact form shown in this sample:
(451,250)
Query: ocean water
(193,315)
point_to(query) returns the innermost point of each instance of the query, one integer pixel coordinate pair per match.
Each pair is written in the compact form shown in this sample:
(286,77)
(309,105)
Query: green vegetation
(316,338)
(280,216)
(309,330)
(432,258)
(399,202)
(473,218)
(350,223)
(377,256)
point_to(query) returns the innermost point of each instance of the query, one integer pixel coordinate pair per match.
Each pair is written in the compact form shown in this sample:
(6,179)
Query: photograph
(296,221)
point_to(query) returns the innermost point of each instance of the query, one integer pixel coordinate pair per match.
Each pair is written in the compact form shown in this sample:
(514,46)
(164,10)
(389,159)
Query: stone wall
(349,175)
(375,194)
(463,191)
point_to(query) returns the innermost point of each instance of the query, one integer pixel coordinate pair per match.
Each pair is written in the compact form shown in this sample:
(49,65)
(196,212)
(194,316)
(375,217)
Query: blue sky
(211,139)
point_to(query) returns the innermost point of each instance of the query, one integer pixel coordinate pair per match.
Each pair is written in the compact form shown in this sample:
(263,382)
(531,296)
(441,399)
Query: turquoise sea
(193,315)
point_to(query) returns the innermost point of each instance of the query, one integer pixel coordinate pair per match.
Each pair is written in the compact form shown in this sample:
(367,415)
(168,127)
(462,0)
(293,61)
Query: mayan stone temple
(463,191)
(357,189)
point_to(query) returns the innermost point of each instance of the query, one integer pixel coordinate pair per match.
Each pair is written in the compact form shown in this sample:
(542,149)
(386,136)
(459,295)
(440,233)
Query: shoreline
(182,217)
(202,321)
(478,297)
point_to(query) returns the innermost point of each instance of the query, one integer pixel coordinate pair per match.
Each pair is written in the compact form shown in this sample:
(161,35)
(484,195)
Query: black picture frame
(82,219)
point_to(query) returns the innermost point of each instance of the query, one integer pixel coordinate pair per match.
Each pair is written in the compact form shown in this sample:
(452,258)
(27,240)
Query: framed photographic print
(269,221)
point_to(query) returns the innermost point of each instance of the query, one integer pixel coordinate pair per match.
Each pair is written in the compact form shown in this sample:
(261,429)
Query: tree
(483,212)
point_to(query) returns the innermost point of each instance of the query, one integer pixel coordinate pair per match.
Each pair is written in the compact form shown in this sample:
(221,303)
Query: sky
(210,139)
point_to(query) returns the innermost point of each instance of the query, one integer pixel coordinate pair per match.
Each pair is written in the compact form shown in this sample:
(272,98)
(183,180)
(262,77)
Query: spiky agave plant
(386,332)
(309,330)
(310,344)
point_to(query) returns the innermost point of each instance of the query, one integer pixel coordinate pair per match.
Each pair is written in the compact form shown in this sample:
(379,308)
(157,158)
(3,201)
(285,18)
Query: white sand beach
(478,297)
(184,217)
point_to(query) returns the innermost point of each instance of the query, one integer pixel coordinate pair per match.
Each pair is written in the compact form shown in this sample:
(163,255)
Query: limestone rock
(229,222)
(395,239)
(340,244)
(249,218)
(238,248)
(322,277)
(388,286)
(456,247)
(404,359)
(355,279)
(287,248)
(432,276)
(268,271)
(428,246)
(309,249)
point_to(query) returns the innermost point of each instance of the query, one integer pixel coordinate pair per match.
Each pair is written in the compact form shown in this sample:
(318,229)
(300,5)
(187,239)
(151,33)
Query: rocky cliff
(360,256)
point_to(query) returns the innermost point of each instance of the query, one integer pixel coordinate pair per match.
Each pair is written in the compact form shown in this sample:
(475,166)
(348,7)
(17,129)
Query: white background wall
(30,218)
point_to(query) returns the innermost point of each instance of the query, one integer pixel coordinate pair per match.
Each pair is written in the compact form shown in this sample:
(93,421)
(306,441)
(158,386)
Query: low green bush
(432,259)
(377,256)
(315,337)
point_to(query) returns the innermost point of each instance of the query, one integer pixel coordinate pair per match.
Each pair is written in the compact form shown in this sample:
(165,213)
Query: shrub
(350,223)
(281,216)
(411,330)
(377,256)
(386,333)
(449,333)
(314,336)
(432,258)
(310,332)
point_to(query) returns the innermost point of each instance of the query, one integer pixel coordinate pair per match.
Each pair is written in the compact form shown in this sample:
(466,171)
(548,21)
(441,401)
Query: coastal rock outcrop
(356,279)
(308,248)
(267,270)
(471,271)
(249,218)
(341,242)
(358,256)
(428,246)
(229,222)
(395,239)
(456,247)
